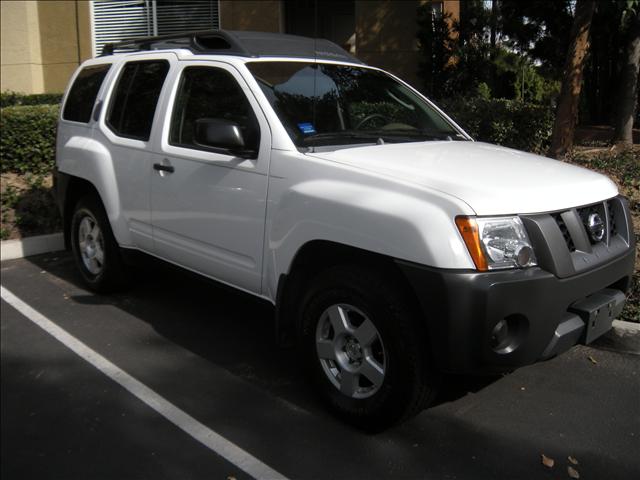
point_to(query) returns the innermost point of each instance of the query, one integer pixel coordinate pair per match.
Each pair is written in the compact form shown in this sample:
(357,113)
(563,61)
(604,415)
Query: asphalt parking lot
(210,352)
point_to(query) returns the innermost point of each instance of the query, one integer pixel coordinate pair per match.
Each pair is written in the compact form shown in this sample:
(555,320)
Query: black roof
(239,43)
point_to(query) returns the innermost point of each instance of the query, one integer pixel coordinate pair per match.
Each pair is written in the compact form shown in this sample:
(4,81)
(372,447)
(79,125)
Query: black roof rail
(238,43)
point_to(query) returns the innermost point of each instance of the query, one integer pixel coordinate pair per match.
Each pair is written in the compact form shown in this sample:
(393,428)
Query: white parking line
(214,441)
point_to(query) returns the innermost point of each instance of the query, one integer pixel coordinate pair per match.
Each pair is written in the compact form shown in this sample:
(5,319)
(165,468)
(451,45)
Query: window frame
(113,95)
(180,81)
(281,137)
(260,164)
(106,82)
(292,137)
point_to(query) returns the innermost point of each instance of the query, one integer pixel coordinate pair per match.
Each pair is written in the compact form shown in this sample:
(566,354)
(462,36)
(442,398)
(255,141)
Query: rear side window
(83,93)
(135,98)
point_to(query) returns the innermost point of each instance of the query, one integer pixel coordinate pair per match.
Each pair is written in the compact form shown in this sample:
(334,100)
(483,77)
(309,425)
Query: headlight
(496,242)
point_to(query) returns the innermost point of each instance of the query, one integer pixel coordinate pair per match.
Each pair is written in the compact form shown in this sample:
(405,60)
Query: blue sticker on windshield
(306,128)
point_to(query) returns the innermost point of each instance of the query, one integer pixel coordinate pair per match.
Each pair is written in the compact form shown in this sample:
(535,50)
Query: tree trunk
(628,88)
(567,114)
(494,25)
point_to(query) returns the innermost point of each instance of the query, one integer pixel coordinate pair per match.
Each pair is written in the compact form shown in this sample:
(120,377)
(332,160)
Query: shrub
(623,166)
(12,99)
(511,123)
(28,138)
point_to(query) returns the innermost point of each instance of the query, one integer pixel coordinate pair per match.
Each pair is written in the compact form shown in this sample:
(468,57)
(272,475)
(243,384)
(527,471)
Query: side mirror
(219,133)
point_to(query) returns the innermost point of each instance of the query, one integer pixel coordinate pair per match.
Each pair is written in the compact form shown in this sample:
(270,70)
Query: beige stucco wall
(42,43)
(386,34)
(20,68)
(256,15)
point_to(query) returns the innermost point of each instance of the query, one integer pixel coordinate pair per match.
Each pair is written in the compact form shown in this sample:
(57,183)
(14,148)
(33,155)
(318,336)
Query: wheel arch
(310,260)
(76,188)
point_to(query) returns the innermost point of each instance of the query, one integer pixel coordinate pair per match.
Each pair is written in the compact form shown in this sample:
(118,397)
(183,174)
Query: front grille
(565,245)
(606,212)
(565,231)
(612,219)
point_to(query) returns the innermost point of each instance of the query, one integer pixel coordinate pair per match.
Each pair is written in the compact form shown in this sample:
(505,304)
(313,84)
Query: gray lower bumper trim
(566,336)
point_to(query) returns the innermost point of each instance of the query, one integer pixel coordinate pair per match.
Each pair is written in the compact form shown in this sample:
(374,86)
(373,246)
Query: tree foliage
(539,30)
(459,55)
(516,50)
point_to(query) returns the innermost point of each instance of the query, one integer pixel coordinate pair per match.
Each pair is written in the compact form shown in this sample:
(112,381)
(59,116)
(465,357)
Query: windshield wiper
(343,135)
(381,135)
(421,134)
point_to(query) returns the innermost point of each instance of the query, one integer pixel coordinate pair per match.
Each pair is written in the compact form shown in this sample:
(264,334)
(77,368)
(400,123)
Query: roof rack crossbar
(239,43)
(193,41)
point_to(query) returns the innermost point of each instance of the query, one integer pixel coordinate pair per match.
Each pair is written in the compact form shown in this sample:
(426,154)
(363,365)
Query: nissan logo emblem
(595,226)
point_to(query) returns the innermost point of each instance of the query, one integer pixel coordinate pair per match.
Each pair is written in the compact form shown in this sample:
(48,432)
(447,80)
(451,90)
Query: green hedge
(12,99)
(28,141)
(28,132)
(511,123)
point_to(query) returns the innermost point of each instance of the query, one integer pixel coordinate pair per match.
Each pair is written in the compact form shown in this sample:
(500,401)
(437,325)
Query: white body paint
(242,222)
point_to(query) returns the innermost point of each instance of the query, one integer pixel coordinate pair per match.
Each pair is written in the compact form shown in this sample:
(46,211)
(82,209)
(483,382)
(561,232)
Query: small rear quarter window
(83,93)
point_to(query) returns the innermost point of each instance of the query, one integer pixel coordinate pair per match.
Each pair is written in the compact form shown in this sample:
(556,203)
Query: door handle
(163,168)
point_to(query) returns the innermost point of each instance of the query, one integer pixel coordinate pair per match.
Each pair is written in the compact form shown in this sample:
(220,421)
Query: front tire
(365,348)
(94,247)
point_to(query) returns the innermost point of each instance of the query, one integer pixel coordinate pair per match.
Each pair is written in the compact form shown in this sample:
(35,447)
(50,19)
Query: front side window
(211,94)
(329,104)
(135,98)
(83,93)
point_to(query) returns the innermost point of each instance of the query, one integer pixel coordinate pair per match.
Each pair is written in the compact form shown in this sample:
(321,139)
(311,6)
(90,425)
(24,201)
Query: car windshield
(327,104)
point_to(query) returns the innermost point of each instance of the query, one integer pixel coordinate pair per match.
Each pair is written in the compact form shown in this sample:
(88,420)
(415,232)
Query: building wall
(20,47)
(44,41)
(42,44)
(256,15)
(386,34)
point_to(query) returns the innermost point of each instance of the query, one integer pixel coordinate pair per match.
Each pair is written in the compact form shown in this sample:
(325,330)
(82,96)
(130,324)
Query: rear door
(126,126)
(207,204)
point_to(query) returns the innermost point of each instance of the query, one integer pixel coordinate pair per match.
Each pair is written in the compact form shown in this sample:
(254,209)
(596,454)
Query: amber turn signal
(469,230)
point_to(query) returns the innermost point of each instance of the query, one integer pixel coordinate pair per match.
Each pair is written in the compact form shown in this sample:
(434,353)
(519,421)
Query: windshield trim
(462,134)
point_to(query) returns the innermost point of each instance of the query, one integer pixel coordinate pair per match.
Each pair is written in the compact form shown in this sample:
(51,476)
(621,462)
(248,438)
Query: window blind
(115,20)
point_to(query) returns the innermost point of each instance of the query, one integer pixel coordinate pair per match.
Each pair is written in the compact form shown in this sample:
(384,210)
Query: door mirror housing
(221,134)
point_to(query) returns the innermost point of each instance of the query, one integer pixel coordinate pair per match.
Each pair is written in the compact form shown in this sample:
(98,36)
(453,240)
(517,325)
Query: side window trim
(174,103)
(108,67)
(113,96)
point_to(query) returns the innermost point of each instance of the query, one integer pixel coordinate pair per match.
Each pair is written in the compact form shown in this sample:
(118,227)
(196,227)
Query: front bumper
(548,314)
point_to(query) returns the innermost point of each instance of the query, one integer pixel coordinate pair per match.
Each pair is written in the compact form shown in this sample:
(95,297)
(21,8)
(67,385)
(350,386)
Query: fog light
(509,333)
(500,335)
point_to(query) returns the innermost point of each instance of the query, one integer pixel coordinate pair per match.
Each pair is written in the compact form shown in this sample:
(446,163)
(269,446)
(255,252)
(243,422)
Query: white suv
(392,245)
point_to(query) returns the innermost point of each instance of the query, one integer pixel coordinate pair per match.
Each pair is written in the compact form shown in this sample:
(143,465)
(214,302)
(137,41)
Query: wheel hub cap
(353,350)
(91,245)
(350,351)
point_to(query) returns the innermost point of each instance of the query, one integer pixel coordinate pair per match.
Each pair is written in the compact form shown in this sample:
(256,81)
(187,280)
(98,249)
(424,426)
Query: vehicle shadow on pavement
(235,332)
(222,325)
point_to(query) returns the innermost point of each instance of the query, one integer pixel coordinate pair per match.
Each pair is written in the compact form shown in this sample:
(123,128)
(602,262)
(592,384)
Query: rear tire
(94,247)
(365,349)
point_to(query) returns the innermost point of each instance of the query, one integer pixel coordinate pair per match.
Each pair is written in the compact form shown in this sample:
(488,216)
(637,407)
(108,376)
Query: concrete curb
(623,326)
(25,247)
(624,337)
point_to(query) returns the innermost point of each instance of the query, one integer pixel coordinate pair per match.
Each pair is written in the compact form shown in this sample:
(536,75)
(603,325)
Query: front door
(208,204)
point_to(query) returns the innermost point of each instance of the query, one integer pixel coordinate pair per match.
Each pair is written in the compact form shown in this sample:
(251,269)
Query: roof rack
(238,43)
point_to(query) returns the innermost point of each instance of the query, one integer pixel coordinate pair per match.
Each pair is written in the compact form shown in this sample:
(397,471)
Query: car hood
(492,180)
